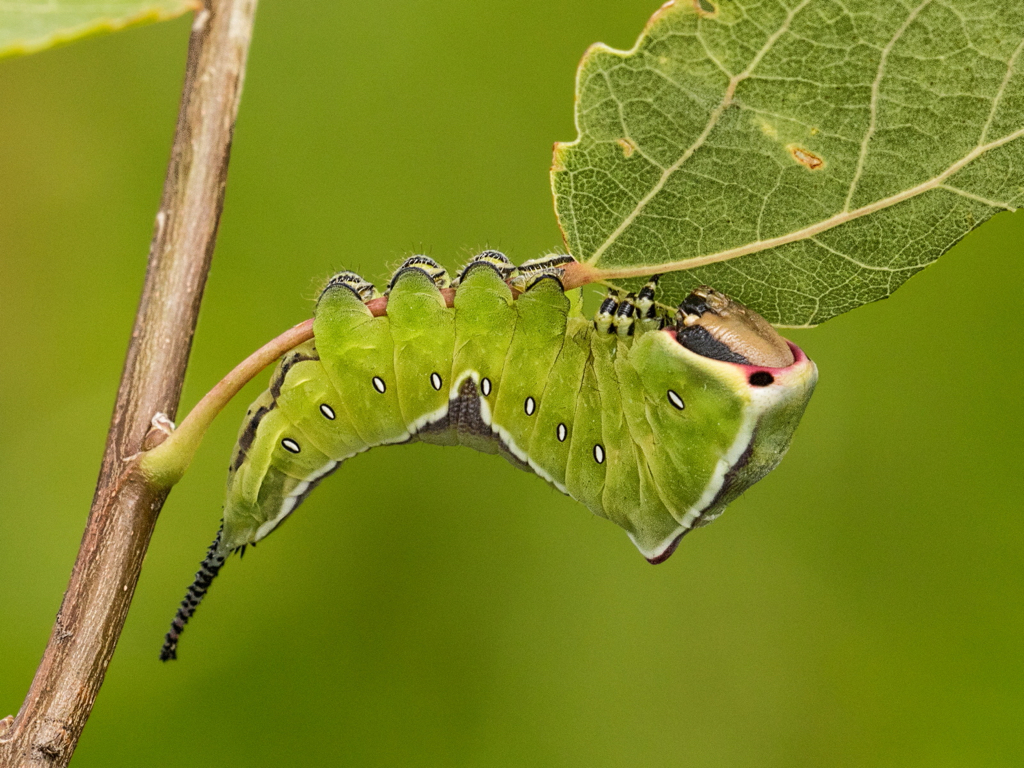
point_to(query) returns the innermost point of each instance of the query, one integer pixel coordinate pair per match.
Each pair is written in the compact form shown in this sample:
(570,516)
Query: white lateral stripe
(510,444)
(726,463)
(429,418)
(292,499)
(323,471)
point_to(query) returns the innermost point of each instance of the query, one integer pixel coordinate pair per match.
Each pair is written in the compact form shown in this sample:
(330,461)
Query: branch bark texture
(125,506)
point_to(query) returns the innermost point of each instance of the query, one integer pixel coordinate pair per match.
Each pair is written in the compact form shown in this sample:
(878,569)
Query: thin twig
(125,505)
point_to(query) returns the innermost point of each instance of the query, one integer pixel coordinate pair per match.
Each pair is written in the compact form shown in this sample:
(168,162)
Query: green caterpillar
(655,422)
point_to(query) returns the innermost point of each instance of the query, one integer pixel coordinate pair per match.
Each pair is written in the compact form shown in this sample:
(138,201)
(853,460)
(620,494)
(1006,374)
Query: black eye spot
(761,379)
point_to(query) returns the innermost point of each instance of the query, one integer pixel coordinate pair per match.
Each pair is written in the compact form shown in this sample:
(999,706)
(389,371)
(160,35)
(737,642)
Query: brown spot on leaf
(628,147)
(805,157)
(558,157)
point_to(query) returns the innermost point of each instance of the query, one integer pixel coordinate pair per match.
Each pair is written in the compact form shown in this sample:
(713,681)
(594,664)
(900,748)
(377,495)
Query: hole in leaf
(705,7)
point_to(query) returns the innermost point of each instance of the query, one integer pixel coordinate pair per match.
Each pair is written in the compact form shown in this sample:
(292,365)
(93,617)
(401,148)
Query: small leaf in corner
(28,26)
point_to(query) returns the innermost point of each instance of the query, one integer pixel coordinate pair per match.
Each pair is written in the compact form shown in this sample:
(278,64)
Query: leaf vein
(1001,90)
(977,198)
(876,86)
(822,226)
(716,115)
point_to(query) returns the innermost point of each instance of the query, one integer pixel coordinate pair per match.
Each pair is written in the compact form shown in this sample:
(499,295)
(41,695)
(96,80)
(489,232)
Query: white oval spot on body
(379,385)
(290,445)
(598,453)
(327,411)
(562,433)
(435,381)
(530,406)
(485,385)
(676,400)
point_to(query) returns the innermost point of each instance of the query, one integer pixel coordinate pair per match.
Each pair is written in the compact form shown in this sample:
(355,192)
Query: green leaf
(27,26)
(805,156)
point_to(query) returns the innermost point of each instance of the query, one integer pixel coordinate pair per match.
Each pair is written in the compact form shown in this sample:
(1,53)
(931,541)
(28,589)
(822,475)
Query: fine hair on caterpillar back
(651,419)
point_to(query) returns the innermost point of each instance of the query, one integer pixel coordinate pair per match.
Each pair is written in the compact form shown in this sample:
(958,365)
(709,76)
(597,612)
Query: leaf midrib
(844,216)
(840,218)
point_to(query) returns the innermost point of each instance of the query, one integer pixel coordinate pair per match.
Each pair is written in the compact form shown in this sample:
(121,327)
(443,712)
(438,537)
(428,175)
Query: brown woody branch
(125,506)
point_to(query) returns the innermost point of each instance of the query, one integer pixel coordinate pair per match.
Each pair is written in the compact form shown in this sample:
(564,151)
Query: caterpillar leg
(647,315)
(629,315)
(604,320)
(616,315)
(624,320)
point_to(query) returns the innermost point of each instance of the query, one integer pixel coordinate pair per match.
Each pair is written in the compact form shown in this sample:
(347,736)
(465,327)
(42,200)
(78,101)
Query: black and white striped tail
(208,569)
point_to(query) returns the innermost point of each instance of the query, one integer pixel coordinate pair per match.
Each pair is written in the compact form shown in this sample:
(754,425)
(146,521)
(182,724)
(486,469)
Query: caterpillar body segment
(655,422)
(423,332)
(541,315)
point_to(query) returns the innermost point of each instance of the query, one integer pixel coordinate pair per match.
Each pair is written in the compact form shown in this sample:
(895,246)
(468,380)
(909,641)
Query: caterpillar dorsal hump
(652,419)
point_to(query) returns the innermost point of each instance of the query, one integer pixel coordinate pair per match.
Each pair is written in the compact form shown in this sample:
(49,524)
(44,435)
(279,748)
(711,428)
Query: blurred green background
(862,606)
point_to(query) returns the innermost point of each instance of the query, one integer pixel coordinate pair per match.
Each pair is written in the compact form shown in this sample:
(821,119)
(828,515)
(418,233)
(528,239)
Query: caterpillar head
(733,392)
(713,325)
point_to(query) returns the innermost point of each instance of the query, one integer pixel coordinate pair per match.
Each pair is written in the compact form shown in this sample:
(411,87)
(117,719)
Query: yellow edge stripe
(95,27)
